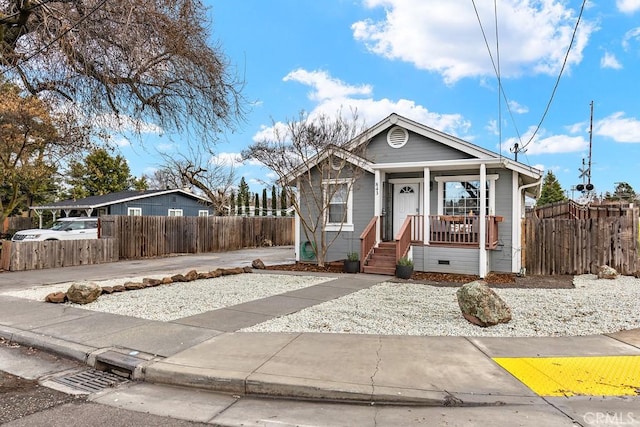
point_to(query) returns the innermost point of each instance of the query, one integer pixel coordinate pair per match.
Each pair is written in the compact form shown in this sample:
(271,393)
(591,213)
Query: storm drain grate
(91,380)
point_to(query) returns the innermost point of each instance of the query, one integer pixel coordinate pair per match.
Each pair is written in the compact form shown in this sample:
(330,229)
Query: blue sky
(427,60)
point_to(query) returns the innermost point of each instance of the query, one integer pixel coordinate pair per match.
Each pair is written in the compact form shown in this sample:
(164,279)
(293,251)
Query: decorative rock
(119,288)
(191,276)
(149,282)
(247,269)
(204,275)
(83,293)
(267,242)
(481,306)
(167,280)
(107,290)
(131,286)
(231,271)
(258,264)
(215,273)
(56,297)
(606,272)
(179,278)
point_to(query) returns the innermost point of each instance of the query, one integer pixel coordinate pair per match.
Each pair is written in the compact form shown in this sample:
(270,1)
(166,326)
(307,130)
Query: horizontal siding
(461,260)
(160,205)
(417,149)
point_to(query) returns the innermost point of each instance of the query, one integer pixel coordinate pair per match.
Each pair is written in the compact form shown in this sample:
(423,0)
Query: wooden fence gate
(580,246)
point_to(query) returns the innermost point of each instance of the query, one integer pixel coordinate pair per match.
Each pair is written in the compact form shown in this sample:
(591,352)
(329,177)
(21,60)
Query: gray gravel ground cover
(592,307)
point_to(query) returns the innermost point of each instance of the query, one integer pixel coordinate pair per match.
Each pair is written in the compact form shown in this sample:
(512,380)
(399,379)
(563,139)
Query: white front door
(406,201)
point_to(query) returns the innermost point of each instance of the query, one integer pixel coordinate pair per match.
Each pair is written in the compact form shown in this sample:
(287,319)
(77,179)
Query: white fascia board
(343,154)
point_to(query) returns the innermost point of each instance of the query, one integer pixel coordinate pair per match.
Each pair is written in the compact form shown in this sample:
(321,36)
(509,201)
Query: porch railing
(456,230)
(403,238)
(368,240)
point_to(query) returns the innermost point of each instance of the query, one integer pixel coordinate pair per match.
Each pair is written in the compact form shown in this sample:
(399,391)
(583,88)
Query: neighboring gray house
(132,202)
(451,206)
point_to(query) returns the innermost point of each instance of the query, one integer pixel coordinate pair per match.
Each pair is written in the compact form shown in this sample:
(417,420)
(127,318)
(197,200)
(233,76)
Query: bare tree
(204,172)
(308,153)
(146,61)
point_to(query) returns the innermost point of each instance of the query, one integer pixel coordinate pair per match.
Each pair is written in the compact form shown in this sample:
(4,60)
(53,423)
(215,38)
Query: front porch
(447,231)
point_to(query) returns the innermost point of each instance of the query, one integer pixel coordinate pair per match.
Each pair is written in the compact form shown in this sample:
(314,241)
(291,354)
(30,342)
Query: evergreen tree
(551,190)
(232,203)
(274,204)
(283,202)
(623,191)
(243,197)
(256,210)
(264,202)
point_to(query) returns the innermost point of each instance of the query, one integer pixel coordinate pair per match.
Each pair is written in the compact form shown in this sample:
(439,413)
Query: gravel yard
(592,307)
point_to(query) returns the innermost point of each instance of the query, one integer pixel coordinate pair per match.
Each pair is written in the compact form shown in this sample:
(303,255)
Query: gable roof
(94,202)
(478,154)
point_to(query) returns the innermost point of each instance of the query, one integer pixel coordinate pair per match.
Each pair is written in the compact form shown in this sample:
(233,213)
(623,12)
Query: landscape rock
(83,293)
(258,264)
(56,297)
(107,290)
(132,286)
(481,306)
(149,282)
(606,272)
(119,288)
(167,280)
(215,273)
(204,275)
(267,242)
(231,271)
(247,269)
(178,278)
(191,275)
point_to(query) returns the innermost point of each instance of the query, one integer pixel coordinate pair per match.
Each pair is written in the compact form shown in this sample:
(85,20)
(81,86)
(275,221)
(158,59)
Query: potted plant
(352,263)
(404,268)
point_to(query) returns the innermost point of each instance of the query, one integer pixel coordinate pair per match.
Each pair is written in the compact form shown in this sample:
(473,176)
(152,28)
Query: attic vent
(397,137)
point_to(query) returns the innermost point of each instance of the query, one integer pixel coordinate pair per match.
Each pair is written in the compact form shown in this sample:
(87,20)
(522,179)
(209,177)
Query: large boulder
(258,264)
(83,292)
(481,306)
(606,272)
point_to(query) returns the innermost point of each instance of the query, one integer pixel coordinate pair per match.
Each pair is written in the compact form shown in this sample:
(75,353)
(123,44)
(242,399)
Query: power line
(555,87)
(497,72)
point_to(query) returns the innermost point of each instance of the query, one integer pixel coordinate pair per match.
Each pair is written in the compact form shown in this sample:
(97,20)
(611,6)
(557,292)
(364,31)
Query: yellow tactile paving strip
(573,376)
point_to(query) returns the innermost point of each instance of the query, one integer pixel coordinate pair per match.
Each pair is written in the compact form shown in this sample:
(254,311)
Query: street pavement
(201,369)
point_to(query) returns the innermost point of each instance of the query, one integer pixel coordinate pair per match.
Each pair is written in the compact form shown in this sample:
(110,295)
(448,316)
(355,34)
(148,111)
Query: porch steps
(382,260)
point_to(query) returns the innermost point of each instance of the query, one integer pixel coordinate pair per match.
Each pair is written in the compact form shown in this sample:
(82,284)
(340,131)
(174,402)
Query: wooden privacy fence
(150,236)
(580,246)
(19,256)
(571,210)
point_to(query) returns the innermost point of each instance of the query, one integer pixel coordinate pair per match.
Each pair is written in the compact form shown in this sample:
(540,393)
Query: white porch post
(296,223)
(483,221)
(426,204)
(516,251)
(377,200)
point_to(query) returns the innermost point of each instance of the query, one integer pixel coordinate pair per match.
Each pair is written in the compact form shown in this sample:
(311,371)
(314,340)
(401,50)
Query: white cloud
(628,6)
(121,142)
(618,128)
(609,60)
(120,123)
(445,37)
(334,95)
(631,35)
(517,108)
(227,159)
(553,144)
(325,87)
(540,167)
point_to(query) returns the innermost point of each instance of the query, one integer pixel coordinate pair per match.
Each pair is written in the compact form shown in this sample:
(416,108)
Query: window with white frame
(175,212)
(134,211)
(203,212)
(460,195)
(339,202)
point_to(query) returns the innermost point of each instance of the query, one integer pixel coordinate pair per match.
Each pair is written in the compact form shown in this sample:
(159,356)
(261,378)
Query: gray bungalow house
(174,202)
(449,205)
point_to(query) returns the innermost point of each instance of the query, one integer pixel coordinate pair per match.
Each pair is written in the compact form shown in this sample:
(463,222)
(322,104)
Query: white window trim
(491,179)
(203,212)
(134,211)
(180,211)
(348,224)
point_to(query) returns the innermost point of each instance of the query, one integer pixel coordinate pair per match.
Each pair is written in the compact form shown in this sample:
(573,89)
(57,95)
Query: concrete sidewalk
(205,351)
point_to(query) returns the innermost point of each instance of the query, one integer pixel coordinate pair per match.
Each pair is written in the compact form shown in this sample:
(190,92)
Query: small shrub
(353,256)
(405,261)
